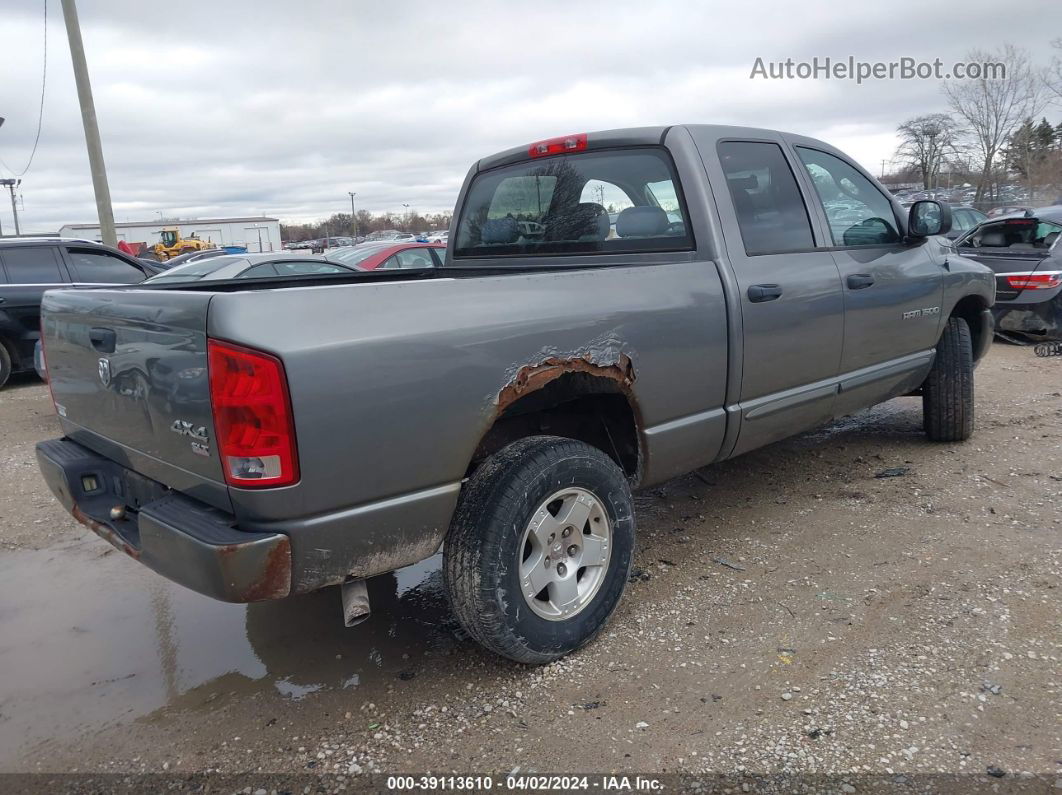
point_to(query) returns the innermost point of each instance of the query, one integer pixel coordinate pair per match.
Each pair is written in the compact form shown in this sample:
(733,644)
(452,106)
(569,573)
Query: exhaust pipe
(356,607)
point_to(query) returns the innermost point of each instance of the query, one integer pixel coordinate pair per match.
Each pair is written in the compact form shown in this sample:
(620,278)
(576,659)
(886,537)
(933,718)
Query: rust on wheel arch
(532,377)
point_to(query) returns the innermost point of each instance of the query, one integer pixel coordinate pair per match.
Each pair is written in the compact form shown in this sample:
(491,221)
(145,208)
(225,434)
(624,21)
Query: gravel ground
(853,601)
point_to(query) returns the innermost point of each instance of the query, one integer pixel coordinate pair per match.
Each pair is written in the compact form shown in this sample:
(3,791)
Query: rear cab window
(604,202)
(1028,237)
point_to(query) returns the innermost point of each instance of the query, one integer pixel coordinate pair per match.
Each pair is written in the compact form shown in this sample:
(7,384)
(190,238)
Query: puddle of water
(89,639)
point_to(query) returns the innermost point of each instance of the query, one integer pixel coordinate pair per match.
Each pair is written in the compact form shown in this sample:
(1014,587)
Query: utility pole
(1,225)
(11,185)
(353,216)
(92,130)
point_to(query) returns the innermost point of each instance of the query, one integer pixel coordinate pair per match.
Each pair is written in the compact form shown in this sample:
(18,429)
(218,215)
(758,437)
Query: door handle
(102,339)
(860,281)
(758,293)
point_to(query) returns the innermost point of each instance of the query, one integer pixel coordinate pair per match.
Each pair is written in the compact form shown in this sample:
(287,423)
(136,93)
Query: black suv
(29,266)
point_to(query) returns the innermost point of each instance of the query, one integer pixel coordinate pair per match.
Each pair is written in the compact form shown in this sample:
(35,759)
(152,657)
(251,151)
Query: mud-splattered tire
(488,548)
(948,391)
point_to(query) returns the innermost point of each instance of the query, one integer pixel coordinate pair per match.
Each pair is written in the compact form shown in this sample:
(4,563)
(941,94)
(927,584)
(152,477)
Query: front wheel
(540,548)
(948,391)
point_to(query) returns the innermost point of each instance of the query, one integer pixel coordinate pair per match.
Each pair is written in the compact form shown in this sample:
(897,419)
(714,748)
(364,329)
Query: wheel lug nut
(552,537)
(562,569)
(547,563)
(572,550)
(566,532)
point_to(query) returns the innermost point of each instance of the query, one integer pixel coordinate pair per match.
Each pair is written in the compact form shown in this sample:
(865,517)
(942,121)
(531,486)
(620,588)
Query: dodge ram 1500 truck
(614,309)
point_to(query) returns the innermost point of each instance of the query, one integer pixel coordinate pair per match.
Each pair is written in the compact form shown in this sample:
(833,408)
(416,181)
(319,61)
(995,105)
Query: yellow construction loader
(172,244)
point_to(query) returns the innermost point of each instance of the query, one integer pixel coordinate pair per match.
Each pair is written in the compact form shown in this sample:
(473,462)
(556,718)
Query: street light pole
(353,216)
(92,130)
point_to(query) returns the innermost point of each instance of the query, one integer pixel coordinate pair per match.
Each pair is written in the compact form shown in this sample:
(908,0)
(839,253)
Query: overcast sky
(245,107)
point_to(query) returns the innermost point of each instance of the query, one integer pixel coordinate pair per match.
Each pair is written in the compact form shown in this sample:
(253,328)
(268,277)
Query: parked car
(1025,255)
(440,236)
(191,256)
(388,255)
(248,266)
(963,219)
(29,266)
(507,402)
(1010,209)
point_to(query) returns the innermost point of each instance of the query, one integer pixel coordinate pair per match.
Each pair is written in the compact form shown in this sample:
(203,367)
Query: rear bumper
(182,539)
(1042,319)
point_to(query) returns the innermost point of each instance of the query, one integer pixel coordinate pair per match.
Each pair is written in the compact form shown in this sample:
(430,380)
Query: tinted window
(263,271)
(203,269)
(769,208)
(560,205)
(32,266)
(858,213)
(102,267)
(308,268)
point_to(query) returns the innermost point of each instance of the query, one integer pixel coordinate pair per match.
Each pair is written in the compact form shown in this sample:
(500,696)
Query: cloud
(281,108)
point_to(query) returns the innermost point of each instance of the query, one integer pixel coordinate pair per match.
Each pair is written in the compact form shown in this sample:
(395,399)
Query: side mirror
(928,217)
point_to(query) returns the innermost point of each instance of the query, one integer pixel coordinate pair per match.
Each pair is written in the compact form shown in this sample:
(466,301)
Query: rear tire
(948,391)
(490,550)
(5,364)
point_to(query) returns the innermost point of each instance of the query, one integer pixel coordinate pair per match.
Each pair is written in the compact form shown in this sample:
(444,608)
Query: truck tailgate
(128,372)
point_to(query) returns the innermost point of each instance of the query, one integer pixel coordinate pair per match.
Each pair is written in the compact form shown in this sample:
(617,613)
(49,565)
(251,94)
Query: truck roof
(650,136)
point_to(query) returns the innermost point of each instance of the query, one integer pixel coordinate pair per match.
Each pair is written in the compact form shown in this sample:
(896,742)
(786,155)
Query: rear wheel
(5,363)
(540,548)
(948,391)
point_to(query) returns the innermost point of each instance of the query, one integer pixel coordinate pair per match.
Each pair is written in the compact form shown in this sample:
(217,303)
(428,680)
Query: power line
(40,115)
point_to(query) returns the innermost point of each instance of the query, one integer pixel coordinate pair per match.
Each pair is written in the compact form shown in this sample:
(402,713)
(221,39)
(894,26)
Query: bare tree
(925,143)
(1053,73)
(993,108)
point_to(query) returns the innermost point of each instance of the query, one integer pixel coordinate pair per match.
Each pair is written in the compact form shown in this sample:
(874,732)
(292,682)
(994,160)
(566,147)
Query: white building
(256,233)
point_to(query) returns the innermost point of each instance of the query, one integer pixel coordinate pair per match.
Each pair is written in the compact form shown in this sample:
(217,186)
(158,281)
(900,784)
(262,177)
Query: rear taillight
(558,146)
(1034,281)
(252,417)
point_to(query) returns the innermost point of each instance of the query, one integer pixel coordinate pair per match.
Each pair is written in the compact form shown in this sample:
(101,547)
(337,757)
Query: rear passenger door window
(857,212)
(770,210)
(102,267)
(33,265)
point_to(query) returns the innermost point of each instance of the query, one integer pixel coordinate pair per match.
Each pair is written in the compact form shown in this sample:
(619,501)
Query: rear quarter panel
(393,385)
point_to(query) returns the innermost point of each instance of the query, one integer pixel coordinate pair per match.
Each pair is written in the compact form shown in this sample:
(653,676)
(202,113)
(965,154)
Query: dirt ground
(853,601)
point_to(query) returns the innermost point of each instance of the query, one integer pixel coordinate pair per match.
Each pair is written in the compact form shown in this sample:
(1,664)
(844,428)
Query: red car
(388,255)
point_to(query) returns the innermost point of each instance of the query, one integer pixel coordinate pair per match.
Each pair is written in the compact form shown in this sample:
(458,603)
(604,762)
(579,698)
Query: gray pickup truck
(614,309)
